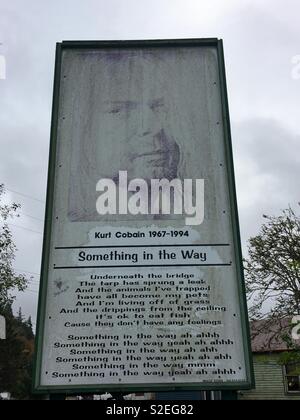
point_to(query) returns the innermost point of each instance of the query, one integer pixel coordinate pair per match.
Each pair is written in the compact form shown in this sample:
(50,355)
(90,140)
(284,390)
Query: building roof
(270,335)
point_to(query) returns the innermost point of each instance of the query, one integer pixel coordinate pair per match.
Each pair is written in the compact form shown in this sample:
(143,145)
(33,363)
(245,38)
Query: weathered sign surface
(141,296)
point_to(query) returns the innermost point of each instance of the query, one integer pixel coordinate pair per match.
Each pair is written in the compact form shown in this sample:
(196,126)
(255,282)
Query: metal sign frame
(249,383)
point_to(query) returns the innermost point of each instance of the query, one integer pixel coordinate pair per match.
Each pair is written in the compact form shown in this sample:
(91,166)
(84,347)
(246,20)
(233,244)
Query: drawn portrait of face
(128,128)
(150,151)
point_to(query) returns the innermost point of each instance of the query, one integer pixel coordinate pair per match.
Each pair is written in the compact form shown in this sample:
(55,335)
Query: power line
(27,215)
(25,195)
(26,271)
(32,217)
(22,227)
(34,283)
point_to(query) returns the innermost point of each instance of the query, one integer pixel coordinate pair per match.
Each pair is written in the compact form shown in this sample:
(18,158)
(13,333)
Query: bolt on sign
(142,284)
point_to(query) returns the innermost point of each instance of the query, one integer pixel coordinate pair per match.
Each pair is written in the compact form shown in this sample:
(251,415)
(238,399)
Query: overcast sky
(261,40)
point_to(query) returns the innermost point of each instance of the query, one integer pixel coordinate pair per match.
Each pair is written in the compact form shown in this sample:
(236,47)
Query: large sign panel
(142,284)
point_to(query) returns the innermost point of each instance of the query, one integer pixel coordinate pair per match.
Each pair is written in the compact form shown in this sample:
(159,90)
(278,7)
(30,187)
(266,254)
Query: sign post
(142,283)
(2,328)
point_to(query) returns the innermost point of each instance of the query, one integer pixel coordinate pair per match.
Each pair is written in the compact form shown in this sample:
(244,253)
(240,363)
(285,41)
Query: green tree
(10,281)
(17,349)
(16,355)
(272,271)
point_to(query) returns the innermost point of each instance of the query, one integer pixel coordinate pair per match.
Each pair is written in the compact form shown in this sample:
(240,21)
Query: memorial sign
(142,285)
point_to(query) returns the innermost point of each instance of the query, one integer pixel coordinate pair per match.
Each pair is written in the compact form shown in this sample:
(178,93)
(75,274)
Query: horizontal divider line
(134,246)
(134,266)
